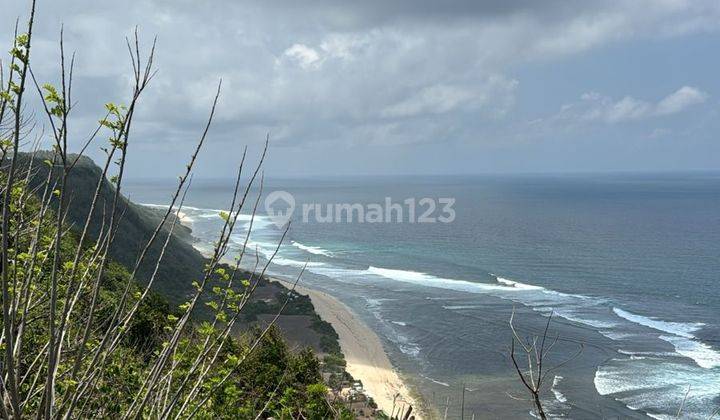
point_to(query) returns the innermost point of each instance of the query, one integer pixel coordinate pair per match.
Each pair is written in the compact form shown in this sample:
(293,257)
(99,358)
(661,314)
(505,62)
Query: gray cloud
(596,107)
(358,74)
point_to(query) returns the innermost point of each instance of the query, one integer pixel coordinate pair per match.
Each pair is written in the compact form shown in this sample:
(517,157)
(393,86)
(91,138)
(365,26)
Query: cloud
(678,101)
(349,73)
(305,56)
(496,95)
(596,107)
(659,133)
(437,99)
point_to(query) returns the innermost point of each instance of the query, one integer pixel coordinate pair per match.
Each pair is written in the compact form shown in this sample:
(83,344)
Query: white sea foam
(258,222)
(564,305)
(655,382)
(202,209)
(296,263)
(558,395)
(649,381)
(199,210)
(429,280)
(572,315)
(338,274)
(681,329)
(608,381)
(190,214)
(655,354)
(517,284)
(402,342)
(617,335)
(153,205)
(411,349)
(659,387)
(457,307)
(210,214)
(312,249)
(594,313)
(267,249)
(704,355)
(435,381)
(185,218)
(375,303)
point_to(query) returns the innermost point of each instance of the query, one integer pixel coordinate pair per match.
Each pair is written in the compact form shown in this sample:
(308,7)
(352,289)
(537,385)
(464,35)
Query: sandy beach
(364,353)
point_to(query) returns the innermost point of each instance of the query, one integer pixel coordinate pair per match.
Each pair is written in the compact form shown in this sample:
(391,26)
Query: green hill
(182,264)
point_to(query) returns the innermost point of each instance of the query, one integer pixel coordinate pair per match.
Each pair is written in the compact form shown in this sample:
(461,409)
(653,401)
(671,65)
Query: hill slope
(182,264)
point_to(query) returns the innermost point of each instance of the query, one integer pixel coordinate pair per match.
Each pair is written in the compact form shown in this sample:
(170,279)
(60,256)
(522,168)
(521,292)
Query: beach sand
(366,359)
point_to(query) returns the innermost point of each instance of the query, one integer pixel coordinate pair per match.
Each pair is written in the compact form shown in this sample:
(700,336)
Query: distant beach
(364,353)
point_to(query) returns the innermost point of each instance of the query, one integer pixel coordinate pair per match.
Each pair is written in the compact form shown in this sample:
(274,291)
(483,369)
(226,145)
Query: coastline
(364,353)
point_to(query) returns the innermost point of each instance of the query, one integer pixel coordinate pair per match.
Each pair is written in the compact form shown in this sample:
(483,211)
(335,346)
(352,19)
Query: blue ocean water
(628,264)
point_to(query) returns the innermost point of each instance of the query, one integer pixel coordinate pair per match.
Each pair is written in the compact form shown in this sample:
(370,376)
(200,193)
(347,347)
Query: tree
(534,371)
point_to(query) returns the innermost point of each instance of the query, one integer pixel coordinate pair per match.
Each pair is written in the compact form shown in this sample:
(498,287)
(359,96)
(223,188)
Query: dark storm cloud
(355,15)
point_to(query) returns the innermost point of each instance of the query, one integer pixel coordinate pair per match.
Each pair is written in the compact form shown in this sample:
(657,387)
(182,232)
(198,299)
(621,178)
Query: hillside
(182,263)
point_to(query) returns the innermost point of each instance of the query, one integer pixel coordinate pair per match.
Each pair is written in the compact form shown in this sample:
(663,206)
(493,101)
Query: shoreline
(364,353)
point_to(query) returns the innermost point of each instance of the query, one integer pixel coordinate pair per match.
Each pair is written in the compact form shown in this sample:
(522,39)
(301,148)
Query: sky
(398,87)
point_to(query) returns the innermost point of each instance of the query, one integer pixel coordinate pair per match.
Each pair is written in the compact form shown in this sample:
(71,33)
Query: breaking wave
(681,329)
(625,378)
(312,249)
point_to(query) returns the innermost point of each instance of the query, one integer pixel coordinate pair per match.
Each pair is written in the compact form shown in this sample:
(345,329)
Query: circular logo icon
(279,206)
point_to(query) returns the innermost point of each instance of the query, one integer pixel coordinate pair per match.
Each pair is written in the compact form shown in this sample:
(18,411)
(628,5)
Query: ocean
(627,264)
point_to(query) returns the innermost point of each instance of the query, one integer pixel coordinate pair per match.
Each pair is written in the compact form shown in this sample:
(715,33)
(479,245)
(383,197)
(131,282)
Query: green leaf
(23,40)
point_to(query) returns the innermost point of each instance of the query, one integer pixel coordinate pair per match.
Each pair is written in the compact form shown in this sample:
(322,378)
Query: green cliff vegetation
(181,262)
